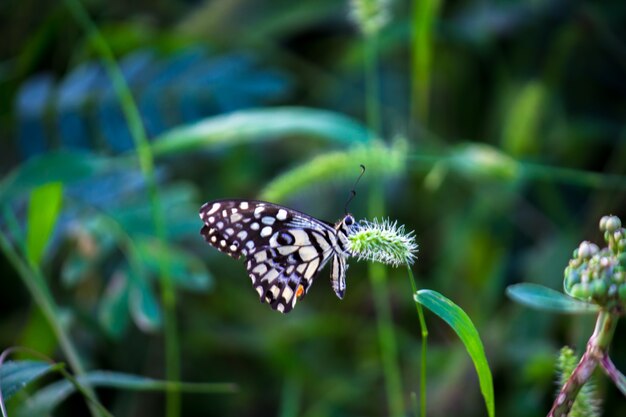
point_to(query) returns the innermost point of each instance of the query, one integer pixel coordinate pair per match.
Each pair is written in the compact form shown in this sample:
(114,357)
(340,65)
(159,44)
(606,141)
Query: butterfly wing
(284,248)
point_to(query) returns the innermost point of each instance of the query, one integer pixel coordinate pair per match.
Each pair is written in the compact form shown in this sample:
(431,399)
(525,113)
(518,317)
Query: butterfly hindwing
(284,249)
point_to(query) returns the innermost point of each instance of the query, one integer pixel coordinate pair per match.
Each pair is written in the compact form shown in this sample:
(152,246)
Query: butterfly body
(284,249)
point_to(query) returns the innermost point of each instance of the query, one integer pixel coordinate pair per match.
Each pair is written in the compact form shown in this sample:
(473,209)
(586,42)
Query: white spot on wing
(229,231)
(270,276)
(258,211)
(215,207)
(254,226)
(234,218)
(287,293)
(307,253)
(281,215)
(260,269)
(243,205)
(261,256)
(280,308)
(233,248)
(266,231)
(222,243)
(311,269)
(269,220)
(242,235)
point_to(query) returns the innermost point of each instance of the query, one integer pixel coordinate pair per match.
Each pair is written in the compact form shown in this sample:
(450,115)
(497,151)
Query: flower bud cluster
(598,275)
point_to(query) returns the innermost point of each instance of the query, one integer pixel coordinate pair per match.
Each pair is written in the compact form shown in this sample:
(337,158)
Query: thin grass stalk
(424,334)
(371,84)
(33,280)
(146,162)
(384,322)
(377,272)
(424,14)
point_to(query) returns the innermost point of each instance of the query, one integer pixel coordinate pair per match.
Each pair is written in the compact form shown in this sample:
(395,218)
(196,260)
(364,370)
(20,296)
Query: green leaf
(464,328)
(47,399)
(15,375)
(113,311)
(185,269)
(43,211)
(63,167)
(260,125)
(544,298)
(144,306)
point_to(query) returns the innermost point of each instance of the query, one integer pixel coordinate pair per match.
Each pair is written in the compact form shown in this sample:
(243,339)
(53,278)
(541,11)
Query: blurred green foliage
(513,147)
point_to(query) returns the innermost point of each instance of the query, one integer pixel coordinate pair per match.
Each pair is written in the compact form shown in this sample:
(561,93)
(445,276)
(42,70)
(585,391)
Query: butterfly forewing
(284,248)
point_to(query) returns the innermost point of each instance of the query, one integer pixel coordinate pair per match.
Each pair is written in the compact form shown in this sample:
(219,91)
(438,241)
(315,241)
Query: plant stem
(596,351)
(384,322)
(424,15)
(146,162)
(371,84)
(34,281)
(377,272)
(424,334)
(616,376)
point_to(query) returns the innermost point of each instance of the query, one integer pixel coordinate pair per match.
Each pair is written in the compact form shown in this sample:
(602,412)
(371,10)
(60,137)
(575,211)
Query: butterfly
(284,249)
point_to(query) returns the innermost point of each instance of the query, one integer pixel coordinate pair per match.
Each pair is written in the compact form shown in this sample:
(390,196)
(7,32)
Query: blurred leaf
(37,334)
(260,125)
(180,88)
(64,167)
(186,270)
(144,307)
(43,212)
(380,160)
(479,162)
(43,402)
(464,328)
(16,375)
(544,298)
(521,132)
(113,311)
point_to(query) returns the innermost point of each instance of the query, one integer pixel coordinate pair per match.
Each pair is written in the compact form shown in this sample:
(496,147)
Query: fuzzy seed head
(383,241)
(370,15)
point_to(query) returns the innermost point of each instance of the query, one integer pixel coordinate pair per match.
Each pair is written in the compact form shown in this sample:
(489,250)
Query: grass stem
(146,162)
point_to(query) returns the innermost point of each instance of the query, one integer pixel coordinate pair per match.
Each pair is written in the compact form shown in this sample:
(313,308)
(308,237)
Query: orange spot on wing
(299,291)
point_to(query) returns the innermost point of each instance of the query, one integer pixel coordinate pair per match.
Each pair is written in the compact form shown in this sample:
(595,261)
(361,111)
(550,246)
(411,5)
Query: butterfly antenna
(353,191)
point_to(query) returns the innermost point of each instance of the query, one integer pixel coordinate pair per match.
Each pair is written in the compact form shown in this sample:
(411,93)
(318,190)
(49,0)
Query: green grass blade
(260,125)
(460,322)
(381,162)
(43,211)
(544,298)
(424,16)
(47,399)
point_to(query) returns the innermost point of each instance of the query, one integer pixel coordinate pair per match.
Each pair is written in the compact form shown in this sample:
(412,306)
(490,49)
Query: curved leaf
(260,124)
(47,399)
(544,298)
(15,375)
(381,162)
(464,328)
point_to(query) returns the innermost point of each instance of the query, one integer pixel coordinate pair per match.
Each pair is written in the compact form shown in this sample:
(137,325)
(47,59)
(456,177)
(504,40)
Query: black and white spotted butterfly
(284,249)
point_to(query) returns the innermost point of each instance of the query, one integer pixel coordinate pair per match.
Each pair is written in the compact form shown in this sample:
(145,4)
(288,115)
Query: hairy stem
(597,348)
